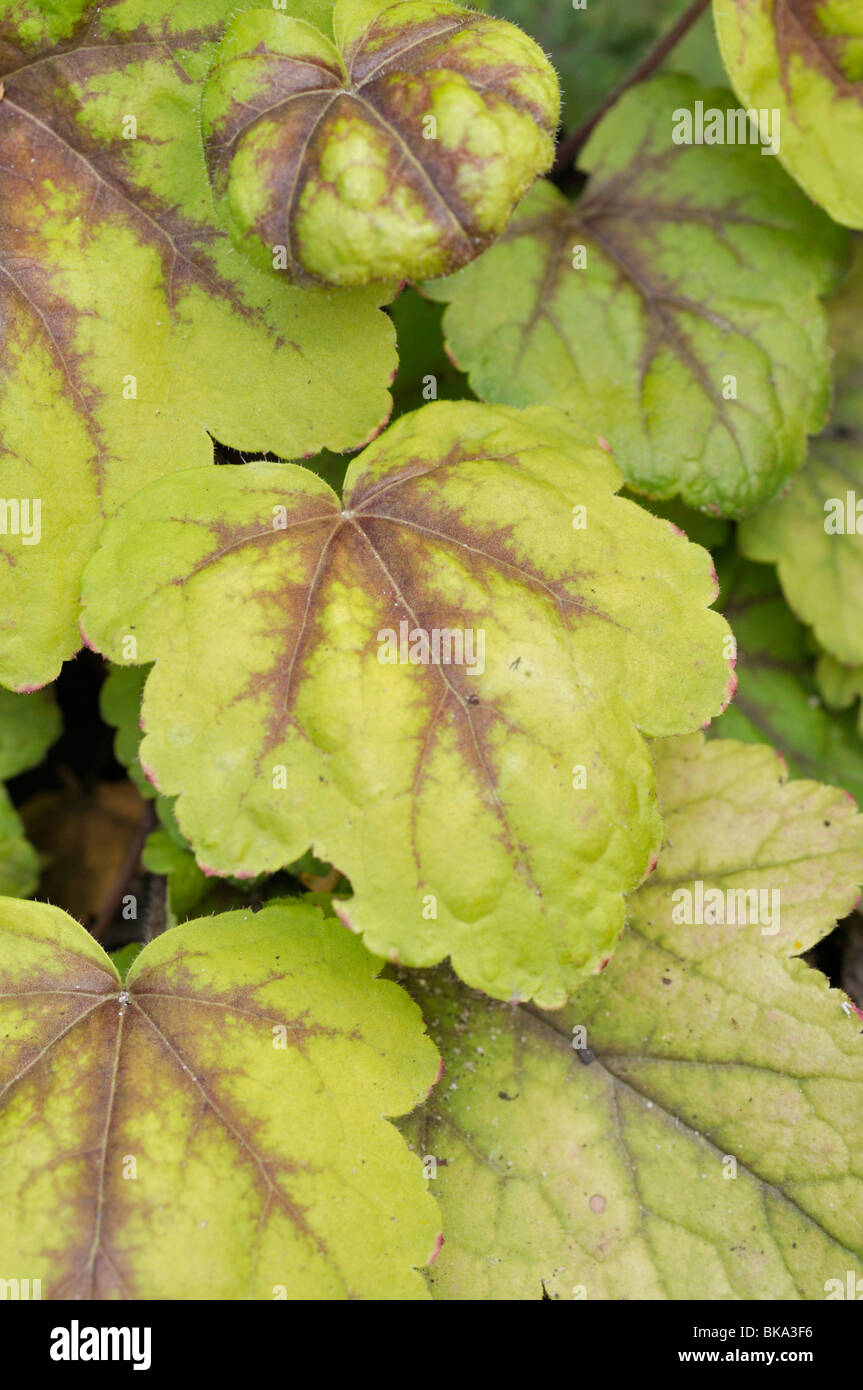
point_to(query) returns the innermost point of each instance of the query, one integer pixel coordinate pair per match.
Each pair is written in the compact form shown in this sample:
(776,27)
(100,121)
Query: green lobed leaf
(212,1126)
(841,686)
(122,959)
(493,807)
(395,149)
(702,276)
(120,706)
(702,1138)
(187,883)
(19,862)
(131,329)
(805,61)
(29,724)
(777,700)
(425,372)
(814,534)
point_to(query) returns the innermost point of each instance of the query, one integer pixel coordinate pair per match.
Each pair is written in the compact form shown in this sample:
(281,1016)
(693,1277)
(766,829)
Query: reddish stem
(657,55)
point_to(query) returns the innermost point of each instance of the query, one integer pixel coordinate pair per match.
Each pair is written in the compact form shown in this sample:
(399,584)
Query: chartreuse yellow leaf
(674,307)
(691,1125)
(440,683)
(804,61)
(130,330)
(212,1127)
(29,724)
(814,534)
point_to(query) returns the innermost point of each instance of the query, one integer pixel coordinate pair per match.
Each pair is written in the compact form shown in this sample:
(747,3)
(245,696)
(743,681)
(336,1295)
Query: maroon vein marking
(293,193)
(667,330)
(59,55)
(560,599)
(213,1004)
(431,733)
(270,533)
(442,673)
(319,570)
(397,54)
(224,287)
(72,993)
(293,1211)
(816,50)
(223,146)
(96,1244)
(55,343)
(58,1037)
(400,141)
(451,457)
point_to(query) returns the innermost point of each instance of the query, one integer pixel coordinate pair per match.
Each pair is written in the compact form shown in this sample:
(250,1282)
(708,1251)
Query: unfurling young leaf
(674,308)
(212,1127)
(132,330)
(440,683)
(690,1126)
(394,149)
(29,724)
(802,62)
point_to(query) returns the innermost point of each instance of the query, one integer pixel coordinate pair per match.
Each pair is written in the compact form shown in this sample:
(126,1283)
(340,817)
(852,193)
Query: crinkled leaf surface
(493,814)
(213,1128)
(703,263)
(594,48)
(29,724)
(804,59)
(604,1172)
(777,700)
(395,149)
(814,534)
(131,329)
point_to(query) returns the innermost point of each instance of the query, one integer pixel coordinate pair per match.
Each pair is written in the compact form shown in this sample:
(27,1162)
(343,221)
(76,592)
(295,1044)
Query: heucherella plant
(417,523)
(432,768)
